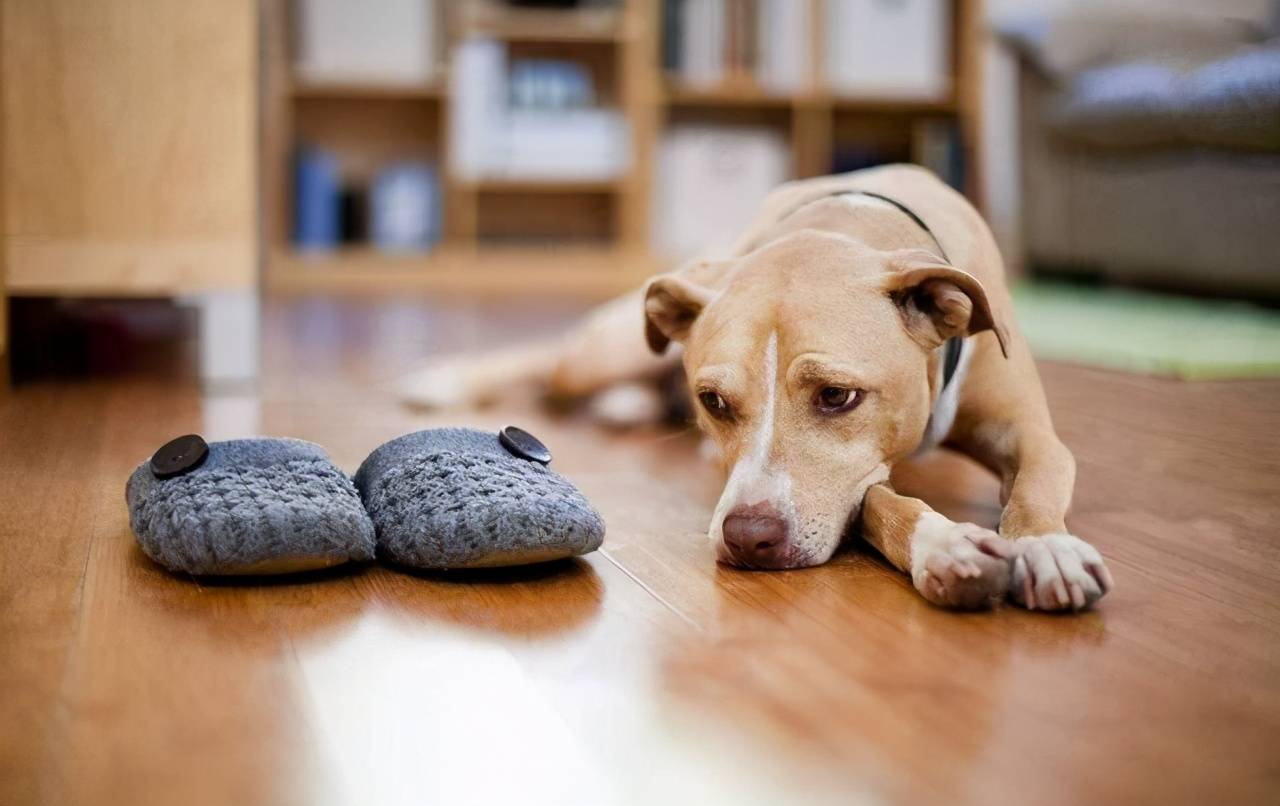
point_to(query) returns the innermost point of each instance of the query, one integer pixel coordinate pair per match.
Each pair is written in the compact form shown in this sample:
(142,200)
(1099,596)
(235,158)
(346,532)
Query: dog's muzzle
(757,536)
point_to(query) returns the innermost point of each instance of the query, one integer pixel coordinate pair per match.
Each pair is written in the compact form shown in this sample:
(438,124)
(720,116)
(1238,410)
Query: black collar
(905,210)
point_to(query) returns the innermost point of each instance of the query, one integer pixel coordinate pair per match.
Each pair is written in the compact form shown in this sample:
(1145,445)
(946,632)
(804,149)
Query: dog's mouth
(788,560)
(793,556)
(809,550)
(852,526)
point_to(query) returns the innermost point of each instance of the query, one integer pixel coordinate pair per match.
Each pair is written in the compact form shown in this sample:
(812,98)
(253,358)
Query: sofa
(1150,146)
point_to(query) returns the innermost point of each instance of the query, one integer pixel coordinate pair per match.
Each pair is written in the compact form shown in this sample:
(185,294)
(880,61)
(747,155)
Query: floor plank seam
(647,589)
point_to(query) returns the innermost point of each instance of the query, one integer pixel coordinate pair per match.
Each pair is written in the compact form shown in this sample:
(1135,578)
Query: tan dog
(861,319)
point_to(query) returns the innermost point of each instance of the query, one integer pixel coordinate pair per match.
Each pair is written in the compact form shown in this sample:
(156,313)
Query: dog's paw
(441,384)
(959,564)
(626,405)
(1058,571)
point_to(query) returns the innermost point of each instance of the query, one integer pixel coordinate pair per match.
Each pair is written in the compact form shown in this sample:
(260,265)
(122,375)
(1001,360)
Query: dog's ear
(671,304)
(939,301)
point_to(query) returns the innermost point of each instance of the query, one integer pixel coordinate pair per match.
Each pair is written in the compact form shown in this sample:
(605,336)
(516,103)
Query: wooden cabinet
(130,148)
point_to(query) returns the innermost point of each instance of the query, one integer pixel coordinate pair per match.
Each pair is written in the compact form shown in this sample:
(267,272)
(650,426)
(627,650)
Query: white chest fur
(948,398)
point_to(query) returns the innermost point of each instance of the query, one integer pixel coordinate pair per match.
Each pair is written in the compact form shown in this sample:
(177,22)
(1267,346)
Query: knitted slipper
(459,498)
(247,506)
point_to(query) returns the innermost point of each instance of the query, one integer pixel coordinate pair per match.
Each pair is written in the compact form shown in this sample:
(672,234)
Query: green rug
(1156,334)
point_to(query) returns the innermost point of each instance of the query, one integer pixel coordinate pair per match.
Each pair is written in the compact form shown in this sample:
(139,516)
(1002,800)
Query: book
(672,34)
(703,43)
(317,202)
(783,63)
(935,144)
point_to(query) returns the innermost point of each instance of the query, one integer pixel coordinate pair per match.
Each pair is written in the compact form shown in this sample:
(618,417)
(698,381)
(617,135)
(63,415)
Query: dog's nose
(756,535)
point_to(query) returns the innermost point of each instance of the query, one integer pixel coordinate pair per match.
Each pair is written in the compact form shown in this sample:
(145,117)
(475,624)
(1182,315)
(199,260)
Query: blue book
(317,200)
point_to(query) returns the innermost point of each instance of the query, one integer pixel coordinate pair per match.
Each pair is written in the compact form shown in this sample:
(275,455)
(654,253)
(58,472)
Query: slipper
(460,498)
(246,506)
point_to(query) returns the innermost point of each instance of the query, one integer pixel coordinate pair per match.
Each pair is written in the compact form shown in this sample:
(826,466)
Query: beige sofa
(1151,148)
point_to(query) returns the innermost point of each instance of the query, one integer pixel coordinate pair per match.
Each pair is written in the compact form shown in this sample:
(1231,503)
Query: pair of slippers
(436,499)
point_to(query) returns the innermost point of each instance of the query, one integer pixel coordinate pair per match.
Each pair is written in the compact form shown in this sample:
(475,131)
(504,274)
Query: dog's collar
(902,208)
(952,351)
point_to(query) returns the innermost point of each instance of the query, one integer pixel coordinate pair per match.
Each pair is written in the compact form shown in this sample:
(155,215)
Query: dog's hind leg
(605,349)
(951,564)
(473,379)
(608,348)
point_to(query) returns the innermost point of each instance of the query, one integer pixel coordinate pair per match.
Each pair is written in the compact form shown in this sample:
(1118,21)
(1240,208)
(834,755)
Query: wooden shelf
(583,271)
(883,105)
(302,88)
(543,186)
(547,25)
(736,94)
(742,94)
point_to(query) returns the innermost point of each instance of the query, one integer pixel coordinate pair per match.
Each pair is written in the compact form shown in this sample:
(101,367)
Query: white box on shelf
(897,49)
(490,140)
(710,181)
(389,42)
(567,145)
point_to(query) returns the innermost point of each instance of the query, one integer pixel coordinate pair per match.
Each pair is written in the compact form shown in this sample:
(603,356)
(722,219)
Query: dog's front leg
(1053,569)
(951,564)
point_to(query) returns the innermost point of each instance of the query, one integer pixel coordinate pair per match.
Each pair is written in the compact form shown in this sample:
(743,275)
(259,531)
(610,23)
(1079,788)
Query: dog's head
(808,359)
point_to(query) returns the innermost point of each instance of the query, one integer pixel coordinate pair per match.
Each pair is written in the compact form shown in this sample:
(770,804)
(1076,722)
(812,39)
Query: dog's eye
(714,403)
(836,399)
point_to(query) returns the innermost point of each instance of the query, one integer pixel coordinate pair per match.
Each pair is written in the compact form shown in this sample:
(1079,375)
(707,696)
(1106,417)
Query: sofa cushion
(1232,102)
(1062,45)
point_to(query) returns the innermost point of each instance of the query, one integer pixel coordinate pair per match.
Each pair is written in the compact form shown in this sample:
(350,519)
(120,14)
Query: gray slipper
(246,506)
(459,498)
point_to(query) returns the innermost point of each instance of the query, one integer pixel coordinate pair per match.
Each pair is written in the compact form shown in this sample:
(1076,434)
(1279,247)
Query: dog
(861,319)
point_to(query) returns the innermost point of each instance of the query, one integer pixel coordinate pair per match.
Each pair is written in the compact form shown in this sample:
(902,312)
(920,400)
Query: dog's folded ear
(939,301)
(671,304)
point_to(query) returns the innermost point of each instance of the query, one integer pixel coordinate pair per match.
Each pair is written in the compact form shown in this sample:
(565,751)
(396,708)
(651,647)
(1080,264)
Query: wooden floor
(643,673)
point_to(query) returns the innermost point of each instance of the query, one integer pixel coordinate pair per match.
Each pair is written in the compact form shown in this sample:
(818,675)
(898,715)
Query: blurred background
(219,154)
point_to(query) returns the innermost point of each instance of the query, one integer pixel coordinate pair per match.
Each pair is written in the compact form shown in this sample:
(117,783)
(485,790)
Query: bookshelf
(572,234)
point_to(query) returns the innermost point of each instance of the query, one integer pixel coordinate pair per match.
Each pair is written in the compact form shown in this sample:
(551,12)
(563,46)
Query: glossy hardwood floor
(644,673)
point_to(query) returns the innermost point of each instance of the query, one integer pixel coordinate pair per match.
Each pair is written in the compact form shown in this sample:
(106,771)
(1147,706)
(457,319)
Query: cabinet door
(129,146)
